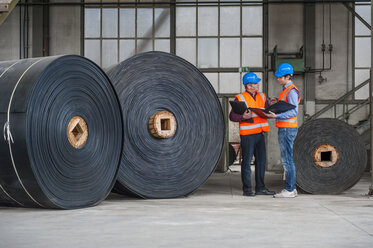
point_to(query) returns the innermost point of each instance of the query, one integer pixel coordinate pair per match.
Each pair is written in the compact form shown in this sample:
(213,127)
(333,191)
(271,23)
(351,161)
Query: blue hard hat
(284,69)
(250,78)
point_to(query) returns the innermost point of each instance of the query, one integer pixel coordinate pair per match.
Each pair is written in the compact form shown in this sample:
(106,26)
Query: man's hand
(270,115)
(247,115)
(273,101)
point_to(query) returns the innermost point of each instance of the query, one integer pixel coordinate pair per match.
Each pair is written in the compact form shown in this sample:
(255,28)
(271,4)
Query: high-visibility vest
(259,124)
(292,121)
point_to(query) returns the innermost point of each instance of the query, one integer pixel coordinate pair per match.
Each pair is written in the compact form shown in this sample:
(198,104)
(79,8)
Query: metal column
(310,51)
(40,30)
(173,27)
(371,106)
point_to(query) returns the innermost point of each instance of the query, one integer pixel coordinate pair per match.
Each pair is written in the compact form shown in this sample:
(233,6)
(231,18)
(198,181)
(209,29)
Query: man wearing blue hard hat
(287,128)
(252,136)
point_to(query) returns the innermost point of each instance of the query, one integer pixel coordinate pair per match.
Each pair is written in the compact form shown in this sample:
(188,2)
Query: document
(240,108)
(278,107)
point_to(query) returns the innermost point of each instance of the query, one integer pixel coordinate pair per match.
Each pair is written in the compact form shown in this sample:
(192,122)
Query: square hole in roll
(165,124)
(77,132)
(326,156)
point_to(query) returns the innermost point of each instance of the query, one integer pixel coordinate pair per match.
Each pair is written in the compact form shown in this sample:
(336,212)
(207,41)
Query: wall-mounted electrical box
(295,59)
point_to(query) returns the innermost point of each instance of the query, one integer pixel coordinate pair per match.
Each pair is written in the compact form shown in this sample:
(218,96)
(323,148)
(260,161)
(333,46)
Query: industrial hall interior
(186,123)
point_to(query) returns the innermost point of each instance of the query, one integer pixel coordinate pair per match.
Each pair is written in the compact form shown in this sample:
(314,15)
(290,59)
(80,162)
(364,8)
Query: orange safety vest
(260,124)
(292,121)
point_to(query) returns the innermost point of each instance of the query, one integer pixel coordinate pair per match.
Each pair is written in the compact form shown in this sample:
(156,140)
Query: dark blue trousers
(253,144)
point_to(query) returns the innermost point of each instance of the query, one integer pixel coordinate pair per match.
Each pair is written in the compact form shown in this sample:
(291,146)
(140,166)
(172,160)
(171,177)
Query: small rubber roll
(329,156)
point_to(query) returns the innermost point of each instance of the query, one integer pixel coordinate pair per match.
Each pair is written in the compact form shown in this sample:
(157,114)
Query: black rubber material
(165,168)
(49,172)
(348,169)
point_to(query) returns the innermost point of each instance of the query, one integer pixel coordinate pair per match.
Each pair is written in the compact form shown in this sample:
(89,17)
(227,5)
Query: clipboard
(278,107)
(240,108)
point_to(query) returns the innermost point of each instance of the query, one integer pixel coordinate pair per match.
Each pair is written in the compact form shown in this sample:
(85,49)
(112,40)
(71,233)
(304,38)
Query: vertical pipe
(173,26)
(82,24)
(46,34)
(353,18)
(309,34)
(27,26)
(101,41)
(348,50)
(371,106)
(219,44)
(305,77)
(197,39)
(265,48)
(226,119)
(323,36)
(265,51)
(20,31)
(118,35)
(24,31)
(153,27)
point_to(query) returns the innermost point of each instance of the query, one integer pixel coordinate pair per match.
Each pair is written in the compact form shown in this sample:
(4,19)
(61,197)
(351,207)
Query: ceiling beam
(6,6)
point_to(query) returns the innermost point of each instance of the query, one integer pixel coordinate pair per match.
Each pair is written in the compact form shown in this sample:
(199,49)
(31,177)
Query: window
(211,37)
(362,50)
(112,35)
(220,37)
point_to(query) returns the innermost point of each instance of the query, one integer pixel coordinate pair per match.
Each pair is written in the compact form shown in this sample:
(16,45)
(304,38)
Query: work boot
(286,194)
(248,193)
(264,192)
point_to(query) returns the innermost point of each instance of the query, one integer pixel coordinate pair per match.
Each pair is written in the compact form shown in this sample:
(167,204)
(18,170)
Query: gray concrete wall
(65,32)
(9,37)
(286,30)
(339,78)
(65,29)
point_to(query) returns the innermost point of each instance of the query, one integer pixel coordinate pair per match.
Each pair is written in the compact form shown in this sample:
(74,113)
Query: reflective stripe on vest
(262,96)
(254,126)
(293,121)
(287,90)
(287,120)
(260,124)
(243,100)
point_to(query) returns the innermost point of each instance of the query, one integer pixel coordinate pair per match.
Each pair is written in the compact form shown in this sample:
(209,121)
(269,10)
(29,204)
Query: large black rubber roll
(173,126)
(329,156)
(62,133)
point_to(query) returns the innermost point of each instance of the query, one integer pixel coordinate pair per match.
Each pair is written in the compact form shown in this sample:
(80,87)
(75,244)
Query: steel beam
(357,15)
(371,107)
(8,6)
(247,2)
(310,59)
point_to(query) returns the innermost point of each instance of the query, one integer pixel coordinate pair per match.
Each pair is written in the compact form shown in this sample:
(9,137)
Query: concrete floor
(216,215)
